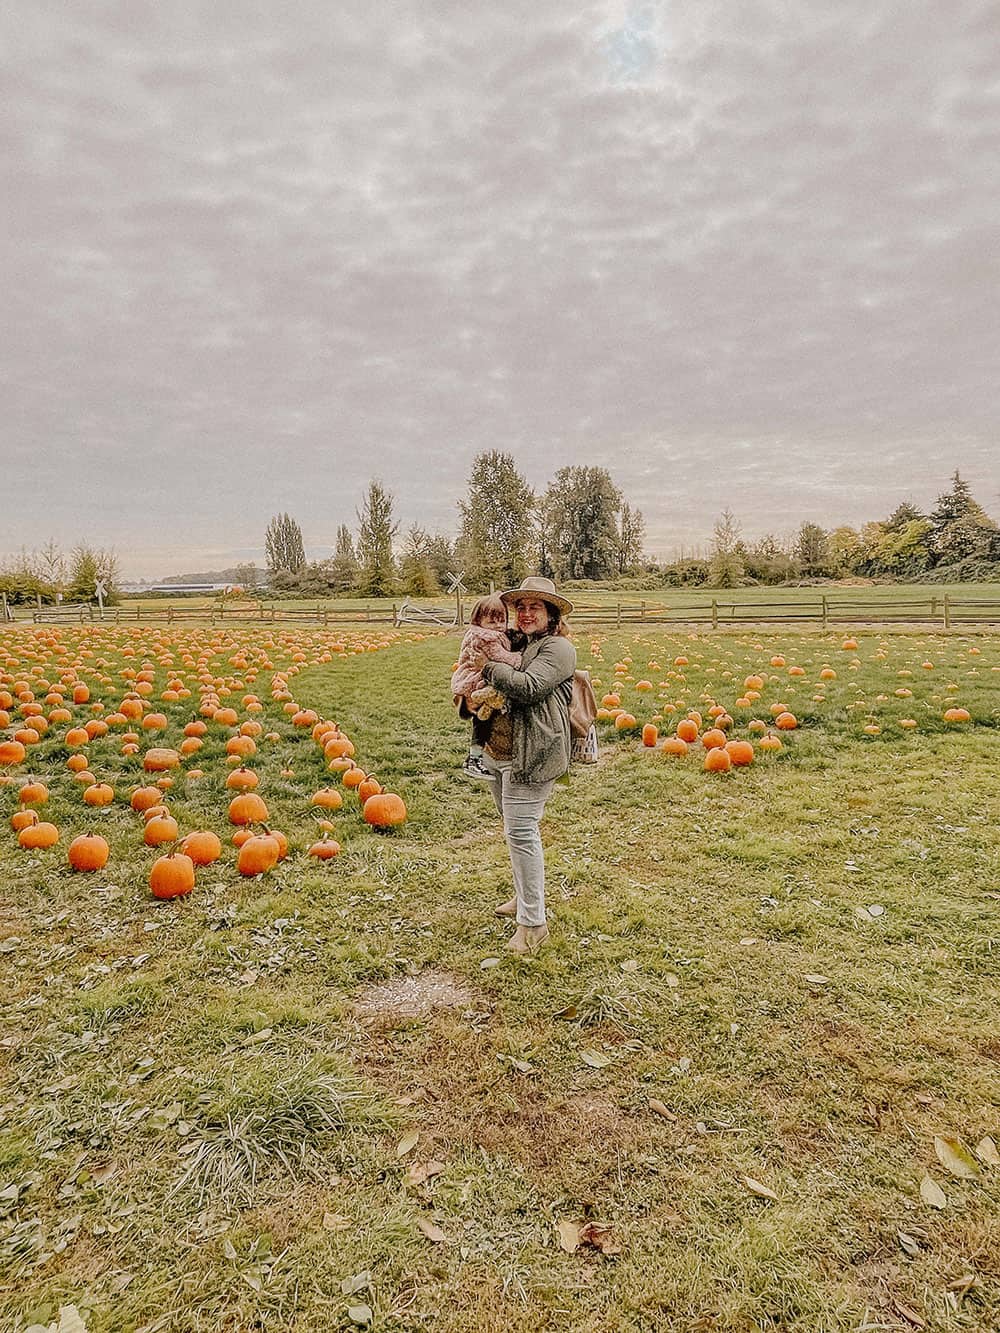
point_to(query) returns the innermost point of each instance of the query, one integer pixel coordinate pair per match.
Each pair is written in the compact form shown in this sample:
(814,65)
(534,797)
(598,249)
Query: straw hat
(535,588)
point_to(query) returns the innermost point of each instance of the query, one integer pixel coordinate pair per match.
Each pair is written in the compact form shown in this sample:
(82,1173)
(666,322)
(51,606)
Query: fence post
(715,614)
(642,610)
(618,620)
(394,620)
(824,610)
(933,608)
(947,612)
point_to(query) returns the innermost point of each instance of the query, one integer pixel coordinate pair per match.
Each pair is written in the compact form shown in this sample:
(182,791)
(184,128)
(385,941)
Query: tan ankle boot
(509,908)
(526,939)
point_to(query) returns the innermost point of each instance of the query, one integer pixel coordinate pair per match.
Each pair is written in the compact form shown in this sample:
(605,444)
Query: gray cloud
(738,254)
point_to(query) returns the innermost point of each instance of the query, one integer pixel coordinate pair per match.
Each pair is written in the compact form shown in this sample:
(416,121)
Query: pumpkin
(328,798)
(957,715)
(325,849)
(786,721)
(771,744)
(203,847)
(687,730)
(33,793)
(626,722)
(247,808)
(674,746)
(38,835)
(160,830)
(100,793)
(242,779)
(244,746)
(21,819)
(740,752)
(369,788)
(158,760)
(196,728)
(143,797)
(717,760)
(88,852)
(714,739)
(650,734)
(387,810)
(354,777)
(171,876)
(258,854)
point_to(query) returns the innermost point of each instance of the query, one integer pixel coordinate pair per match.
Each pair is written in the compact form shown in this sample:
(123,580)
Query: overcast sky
(255,254)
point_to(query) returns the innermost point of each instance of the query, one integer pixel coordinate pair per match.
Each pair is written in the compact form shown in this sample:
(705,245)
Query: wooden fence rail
(943,611)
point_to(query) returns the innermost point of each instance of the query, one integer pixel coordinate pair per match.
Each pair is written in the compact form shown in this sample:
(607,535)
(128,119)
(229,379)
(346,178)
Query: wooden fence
(944,611)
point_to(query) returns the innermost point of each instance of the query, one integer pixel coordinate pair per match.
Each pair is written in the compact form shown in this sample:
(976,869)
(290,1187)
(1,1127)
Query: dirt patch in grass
(412,997)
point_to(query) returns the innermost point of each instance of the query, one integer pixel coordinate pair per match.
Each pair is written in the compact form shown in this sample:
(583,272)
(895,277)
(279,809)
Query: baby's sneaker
(475,768)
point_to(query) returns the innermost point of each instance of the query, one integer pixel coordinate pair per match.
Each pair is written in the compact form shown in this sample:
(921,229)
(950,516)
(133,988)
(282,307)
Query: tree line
(956,542)
(581,527)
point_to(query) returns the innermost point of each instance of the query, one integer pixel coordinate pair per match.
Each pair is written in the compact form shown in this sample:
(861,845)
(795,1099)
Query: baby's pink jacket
(480,639)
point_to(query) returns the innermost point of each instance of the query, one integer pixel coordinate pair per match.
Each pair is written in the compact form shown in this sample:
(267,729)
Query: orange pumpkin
(172,876)
(160,830)
(247,808)
(325,849)
(38,835)
(88,852)
(717,760)
(258,855)
(386,810)
(143,797)
(203,847)
(100,793)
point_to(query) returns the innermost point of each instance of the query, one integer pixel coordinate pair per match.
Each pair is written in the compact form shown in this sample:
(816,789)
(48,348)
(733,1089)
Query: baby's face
(495,618)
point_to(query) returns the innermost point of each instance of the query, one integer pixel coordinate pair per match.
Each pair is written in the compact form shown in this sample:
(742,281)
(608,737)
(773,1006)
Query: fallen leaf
(360,1315)
(671,979)
(487,963)
(335,1222)
(955,1157)
(357,1282)
(432,1232)
(908,1244)
(816,979)
(909,1315)
(594,1058)
(571,1011)
(932,1193)
(748,940)
(569,1236)
(418,1172)
(630,965)
(986,1151)
(658,1108)
(70,1320)
(598,1235)
(755,1187)
(229,1249)
(407,1143)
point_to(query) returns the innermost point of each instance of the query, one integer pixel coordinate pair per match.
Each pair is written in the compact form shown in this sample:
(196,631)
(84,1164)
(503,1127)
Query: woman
(529,745)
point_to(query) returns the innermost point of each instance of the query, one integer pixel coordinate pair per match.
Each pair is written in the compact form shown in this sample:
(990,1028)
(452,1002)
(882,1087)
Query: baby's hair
(485,605)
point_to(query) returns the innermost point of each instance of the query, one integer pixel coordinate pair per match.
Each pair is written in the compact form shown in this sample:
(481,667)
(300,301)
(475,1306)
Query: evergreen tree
(87,565)
(844,546)
(416,575)
(903,513)
(377,570)
(581,524)
(342,567)
(495,541)
(725,569)
(441,558)
(960,527)
(283,546)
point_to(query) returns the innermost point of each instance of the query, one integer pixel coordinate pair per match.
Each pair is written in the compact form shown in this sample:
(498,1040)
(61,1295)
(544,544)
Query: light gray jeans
(521,807)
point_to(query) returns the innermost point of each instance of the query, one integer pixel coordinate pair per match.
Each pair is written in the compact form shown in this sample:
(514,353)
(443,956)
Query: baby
(487,634)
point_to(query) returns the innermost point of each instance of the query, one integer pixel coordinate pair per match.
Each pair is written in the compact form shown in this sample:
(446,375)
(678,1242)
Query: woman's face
(532,617)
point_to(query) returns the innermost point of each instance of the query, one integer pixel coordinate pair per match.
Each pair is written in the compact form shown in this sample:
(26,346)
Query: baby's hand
(477,661)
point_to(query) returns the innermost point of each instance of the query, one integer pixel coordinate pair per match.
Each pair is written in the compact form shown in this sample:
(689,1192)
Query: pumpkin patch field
(266,1064)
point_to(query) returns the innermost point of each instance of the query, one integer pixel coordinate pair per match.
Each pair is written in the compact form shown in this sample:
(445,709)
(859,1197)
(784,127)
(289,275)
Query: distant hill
(207,576)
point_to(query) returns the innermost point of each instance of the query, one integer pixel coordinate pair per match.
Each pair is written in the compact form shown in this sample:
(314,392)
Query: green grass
(204,1134)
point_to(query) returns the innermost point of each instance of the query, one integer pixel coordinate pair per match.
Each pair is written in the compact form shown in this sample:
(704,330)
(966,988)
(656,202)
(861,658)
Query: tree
(342,567)
(811,551)
(441,558)
(725,569)
(283,546)
(906,550)
(844,547)
(377,571)
(495,541)
(416,576)
(246,575)
(581,523)
(52,564)
(960,527)
(631,529)
(903,513)
(87,565)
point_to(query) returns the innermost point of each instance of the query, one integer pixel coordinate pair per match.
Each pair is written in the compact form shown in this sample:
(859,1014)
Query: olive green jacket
(538,695)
